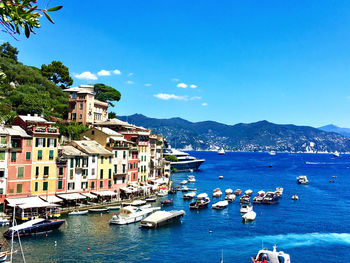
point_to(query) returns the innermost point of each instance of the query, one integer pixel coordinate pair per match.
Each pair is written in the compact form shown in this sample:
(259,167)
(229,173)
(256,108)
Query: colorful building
(83,107)
(44,153)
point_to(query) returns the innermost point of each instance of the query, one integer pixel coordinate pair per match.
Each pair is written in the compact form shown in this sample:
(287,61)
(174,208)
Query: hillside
(258,136)
(334,128)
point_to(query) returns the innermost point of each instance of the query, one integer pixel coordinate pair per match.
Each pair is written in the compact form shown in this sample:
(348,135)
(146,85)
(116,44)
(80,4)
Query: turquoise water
(316,228)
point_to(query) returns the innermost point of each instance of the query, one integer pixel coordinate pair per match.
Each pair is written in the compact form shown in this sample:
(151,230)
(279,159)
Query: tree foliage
(171,158)
(22,15)
(106,93)
(112,115)
(25,90)
(72,130)
(8,51)
(57,73)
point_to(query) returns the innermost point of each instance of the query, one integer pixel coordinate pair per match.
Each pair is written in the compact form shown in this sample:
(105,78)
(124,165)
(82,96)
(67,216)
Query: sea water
(316,228)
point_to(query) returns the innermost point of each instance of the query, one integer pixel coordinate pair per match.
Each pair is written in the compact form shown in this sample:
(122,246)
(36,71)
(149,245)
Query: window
(80,116)
(109,183)
(101,174)
(20,172)
(71,163)
(116,154)
(2,155)
(36,186)
(71,186)
(46,170)
(28,156)
(60,185)
(110,159)
(77,162)
(45,186)
(60,171)
(115,180)
(93,159)
(51,142)
(93,171)
(124,154)
(101,159)
(71,174)
(123,179)
(40,154)
(37,171)
(123,168)
(13,156)
(141,158)
(81,106)
(84,185)
(3,140)
(51,155)
(109,173)
(145,158)
(19,188)
(92,132)
(29,142)
(92,185)
(101,184)
(39,142)
(115,168)
(85,162)
(1,191)
(2,173)
(74,116)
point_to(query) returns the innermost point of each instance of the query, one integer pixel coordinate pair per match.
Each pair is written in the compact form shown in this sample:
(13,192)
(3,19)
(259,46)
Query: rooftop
(69,150)
(35,118)
(92,147)
(14,131)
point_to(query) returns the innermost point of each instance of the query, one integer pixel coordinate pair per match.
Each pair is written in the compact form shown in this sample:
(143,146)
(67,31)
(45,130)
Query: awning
(51,199)
(28,202)
(105,193)
(126,190)
(72,196)
(89,195)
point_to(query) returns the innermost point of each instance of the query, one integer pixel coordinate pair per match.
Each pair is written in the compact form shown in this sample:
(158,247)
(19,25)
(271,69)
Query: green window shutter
(37,171)
(40,154)
(101,184)
(36,186)
(92,185)
(19,188)
(20,172)
(13,156)
(2,155)
(3,140)
(51,154)
(46,170)
(45,186)
(101,174)
(109,173)
(60,171)
(28,156)
(115,168)
(29,142)
(71,163)
(60,184)
(116,154)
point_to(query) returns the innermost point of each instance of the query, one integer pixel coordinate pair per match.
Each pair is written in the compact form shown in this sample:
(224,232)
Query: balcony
(4,146)
(51,130)
(16,145)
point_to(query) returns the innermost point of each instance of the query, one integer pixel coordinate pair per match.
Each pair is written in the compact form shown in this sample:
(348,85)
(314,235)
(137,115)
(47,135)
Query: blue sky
(228,61)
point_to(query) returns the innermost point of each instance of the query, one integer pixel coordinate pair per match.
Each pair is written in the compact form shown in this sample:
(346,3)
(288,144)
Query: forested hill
(258,136)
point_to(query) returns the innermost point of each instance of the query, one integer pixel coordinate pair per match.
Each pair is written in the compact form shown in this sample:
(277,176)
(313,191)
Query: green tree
(106,93)
(112,115)
(72,130)
(171,158)
(22,14)
(8,51)
(57,73)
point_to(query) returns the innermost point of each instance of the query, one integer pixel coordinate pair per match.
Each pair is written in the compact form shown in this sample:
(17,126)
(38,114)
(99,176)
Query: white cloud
(130,74)
(204,104)
(117,72)
(164,96)
(148,84)
(104,73)
(196,98)
(130,82)
(192,86)
(182,85)
(175,80)
(86,75)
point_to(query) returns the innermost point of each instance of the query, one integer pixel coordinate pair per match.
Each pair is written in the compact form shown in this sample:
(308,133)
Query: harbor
(204,234)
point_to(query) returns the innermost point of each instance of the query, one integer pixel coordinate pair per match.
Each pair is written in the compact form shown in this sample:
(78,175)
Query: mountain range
(252,137)
(333,128)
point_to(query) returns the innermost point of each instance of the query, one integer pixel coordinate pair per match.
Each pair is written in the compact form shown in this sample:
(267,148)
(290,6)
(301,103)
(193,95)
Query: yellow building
(44,153)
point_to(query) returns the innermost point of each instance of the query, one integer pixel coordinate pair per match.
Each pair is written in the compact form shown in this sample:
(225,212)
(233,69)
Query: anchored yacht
(185,162)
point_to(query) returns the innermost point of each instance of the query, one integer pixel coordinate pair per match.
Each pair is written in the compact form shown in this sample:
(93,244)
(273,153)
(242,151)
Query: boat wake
(303,240)
(319,163)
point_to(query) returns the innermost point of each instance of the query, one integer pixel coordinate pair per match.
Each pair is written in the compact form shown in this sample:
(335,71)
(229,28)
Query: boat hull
(186,166)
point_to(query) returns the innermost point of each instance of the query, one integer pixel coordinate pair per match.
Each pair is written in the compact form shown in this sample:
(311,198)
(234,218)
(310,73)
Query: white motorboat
(336,154)
(221,151)
(249,216)
(137,203)
(217,194)
(265,255)
(77,213)
(162,193)
(116,207)
(228,191)
(302,179)
(295,197)
(191,179)
(4,222)
(189,196)
(220,205)
(248,192)
(221,177)
(131,214)
(272,152)
(161,218)
(261,193)
(230,198)
(245,208)
(202,196)
(183,182)
(279,191)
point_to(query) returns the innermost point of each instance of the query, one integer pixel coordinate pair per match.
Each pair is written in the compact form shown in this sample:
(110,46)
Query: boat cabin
(267,256)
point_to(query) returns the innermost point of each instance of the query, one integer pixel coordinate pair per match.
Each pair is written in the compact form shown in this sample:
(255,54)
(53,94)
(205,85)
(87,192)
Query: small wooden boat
(167,202)
(221,177)
(248,192)
(228,191)
(183,182)
(189,196)
(230,198)
(78,213)
(191,179)
(98,210)
(220,205)
(237,192)
(217,194)
(116,207)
